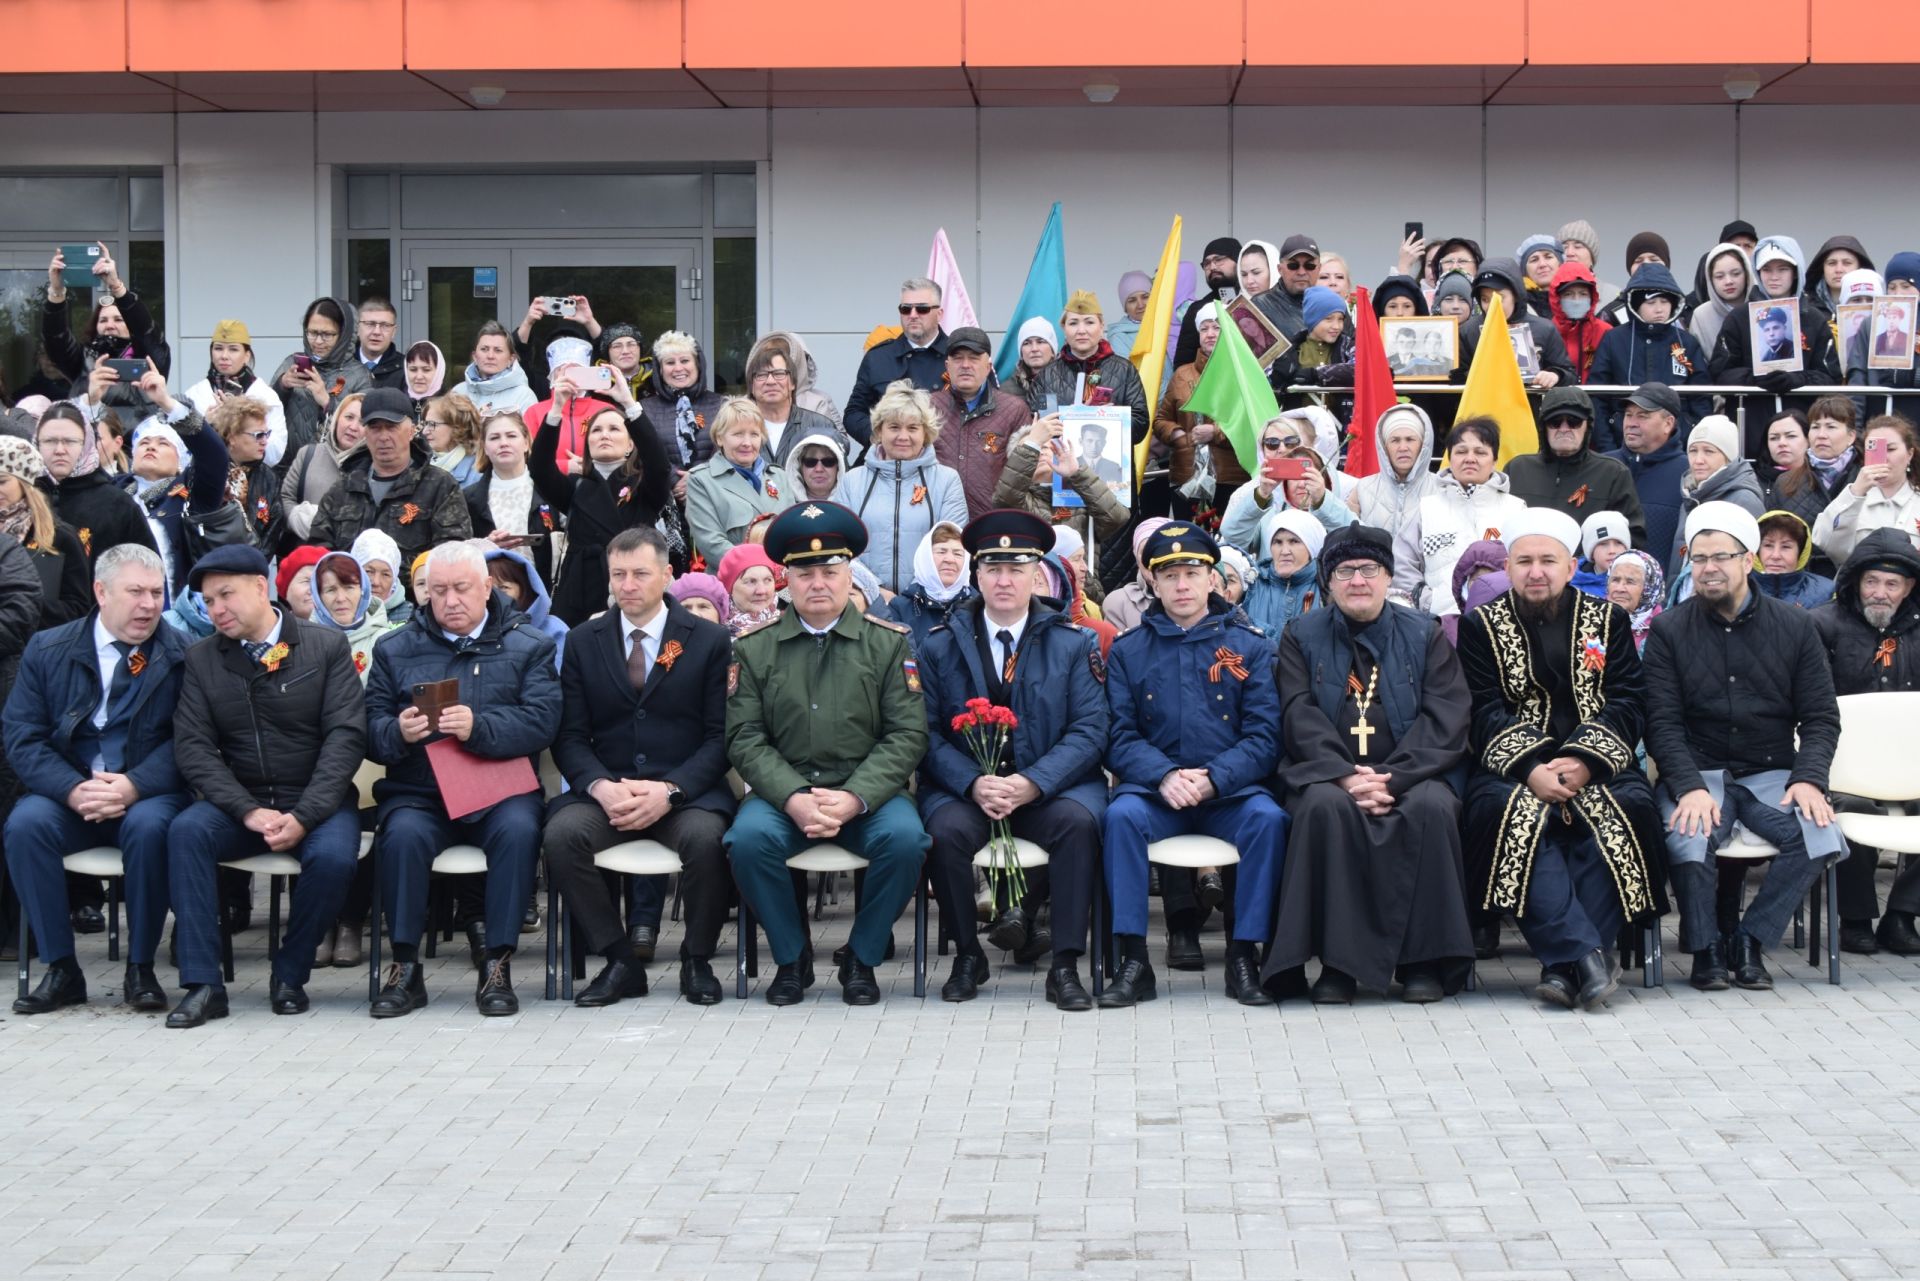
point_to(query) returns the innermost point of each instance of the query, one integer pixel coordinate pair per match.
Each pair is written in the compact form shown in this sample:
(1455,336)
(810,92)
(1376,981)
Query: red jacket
(1581,336)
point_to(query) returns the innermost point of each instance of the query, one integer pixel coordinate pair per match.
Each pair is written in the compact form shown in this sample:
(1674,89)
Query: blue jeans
(412,836)
(41,831)
(204,835)
(1253,824)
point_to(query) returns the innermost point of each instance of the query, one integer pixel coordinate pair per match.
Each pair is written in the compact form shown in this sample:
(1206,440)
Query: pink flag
(944,270)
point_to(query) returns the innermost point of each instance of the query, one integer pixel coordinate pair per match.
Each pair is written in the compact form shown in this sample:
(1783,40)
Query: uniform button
(1219,698)
(1149,698)
(640,714)
(639,760)
(815,706)
(1223,716)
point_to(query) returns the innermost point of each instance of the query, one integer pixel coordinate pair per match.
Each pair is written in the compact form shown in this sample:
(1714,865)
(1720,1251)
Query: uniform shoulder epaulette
(889,624)
(757,627)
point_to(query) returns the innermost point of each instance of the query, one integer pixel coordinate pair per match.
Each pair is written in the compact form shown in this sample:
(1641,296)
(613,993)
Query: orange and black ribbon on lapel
(1225,659)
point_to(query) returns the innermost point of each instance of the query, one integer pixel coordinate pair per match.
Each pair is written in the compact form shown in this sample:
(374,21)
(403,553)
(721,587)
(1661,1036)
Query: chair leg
(1098,915)
(1812,941)
(553,935)
(920,939)
(26,949)
(226,945)
(373,940)
(273,917)
(558,923)
(432,932)
(1650,956)
(742,930)
(820,895)
(674,911)
(113,918)
(1833,924)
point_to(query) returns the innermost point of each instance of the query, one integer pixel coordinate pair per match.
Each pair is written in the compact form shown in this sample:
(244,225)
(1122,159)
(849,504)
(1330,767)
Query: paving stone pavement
(1757,1136)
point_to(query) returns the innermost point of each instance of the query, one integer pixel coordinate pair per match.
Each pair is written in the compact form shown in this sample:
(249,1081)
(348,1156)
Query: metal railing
(1684,389)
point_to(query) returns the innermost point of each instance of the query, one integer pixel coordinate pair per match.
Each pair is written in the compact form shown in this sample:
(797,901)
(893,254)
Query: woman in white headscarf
(942,582)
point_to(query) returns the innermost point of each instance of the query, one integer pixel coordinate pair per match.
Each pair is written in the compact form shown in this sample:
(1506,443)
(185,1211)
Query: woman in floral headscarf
(1635,584)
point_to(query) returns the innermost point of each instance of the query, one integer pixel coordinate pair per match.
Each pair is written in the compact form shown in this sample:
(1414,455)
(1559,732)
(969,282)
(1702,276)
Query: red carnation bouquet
(987,729)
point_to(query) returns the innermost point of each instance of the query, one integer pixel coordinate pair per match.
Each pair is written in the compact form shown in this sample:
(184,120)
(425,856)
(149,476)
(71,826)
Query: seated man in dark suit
(89,732)
(643,746)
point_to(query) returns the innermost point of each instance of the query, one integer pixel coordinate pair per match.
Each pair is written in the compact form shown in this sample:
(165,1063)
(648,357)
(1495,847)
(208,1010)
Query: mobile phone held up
(1284,469)
(304,364)
(132,371)
(1416,231)
(557,306)
(1877,452)
(77,273)
(593,378)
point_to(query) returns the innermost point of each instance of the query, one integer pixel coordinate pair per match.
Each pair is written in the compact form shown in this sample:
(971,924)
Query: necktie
(256,650)
(122,675)
(1005,638)
(637,663)
(465,645)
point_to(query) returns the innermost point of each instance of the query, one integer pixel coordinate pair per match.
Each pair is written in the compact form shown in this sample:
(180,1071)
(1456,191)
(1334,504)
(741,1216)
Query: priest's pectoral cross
(1364,732)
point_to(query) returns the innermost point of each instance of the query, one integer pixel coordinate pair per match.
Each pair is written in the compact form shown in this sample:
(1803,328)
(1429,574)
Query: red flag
(1372,388)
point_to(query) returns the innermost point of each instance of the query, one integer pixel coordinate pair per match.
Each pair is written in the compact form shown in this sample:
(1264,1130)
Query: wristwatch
(675,796)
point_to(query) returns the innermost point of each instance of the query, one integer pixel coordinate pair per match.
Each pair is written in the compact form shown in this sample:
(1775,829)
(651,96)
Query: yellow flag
(1150,346)
(1496,390)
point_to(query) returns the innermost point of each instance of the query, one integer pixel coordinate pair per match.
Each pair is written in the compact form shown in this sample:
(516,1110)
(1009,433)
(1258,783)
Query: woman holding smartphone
(1882,495)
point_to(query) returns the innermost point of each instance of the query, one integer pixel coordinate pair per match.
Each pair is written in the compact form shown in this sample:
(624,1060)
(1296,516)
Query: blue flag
(1044,295)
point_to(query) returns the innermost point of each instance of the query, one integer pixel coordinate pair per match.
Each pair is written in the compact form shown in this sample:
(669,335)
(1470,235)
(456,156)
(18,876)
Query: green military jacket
(842,710)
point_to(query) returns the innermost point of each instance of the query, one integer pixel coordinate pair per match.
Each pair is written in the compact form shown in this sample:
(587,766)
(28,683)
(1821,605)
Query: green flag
(1233,391)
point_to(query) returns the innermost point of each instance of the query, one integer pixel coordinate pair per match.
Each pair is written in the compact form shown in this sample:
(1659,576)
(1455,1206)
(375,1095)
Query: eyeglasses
(319,335)
(1302,264)
(376,324)
(1566,422)
(1366,571)
(1715,559)
(259,435)
(918,308)
(819,462)
(771,376)
(435,422)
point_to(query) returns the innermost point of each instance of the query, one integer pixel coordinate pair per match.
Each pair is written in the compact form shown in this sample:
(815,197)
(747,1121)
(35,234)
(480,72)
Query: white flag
(943,270)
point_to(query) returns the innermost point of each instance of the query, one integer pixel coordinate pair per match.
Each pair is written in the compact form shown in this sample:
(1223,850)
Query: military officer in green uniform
(825,723)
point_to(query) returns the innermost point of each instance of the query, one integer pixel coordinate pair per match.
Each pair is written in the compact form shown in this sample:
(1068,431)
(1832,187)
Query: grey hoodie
(1384,499)
(341,365)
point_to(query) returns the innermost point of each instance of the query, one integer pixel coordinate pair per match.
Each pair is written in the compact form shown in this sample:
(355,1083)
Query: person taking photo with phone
(121,328)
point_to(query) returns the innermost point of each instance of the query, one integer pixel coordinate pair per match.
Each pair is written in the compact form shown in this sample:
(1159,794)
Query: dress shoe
(1557,986)
(1421,985)
(698,984)
(61,984)
(1743,958)
(790,983)
(1599,978)
(643,939)
(1334,987)
(142,991)
(530,919)
(289,998)
(1243,981)
(857,984)
(1857,937)
(1897,935)
(1039,944)
(619,979)
(1183,950)
(240,916)
(323,953)
(87,919)
(1009,933)
(347,951)
(969,972)
(844,953)
(1709,970)
(476,932)
(1486,940)
(1132,985)
(1210,890)
(203,1001)
(494,993)
(1065,990)
(404,991)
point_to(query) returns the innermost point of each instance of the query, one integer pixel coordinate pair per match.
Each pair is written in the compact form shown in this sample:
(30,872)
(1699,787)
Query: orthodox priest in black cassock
(1374,717)
(1562,829)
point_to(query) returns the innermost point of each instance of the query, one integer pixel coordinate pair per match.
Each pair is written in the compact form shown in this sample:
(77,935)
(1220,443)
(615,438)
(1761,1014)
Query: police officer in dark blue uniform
(1194,740)
(1018,652)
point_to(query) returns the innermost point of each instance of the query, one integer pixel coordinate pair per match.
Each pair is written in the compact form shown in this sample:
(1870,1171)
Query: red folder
(469,783)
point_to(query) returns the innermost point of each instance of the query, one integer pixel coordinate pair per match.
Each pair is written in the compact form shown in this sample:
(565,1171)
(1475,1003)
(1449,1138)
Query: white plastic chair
(630,858)
(832,859)
(102,861)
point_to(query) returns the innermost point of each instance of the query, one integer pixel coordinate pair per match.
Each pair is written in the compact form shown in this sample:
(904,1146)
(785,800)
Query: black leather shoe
(789,985)
(1211,890)
(141,989)
(618,980)
(59,985)
(1421,985)
(1598,978)
(240,915)
(87,919)
(1557,987)
(494,994)
(1857,937)
(1709,970)
(289,998)
(1243,981)
(1897,935)
(1132,985)
(404,991)
(477,944)
(1183,950)
(530,919)
(643,939)
(203,1001)
(844,953)
(698,984)
(1486,940)
(857,984)
(1065,990)
(1749,971)
(969,972)
(1009,933)
(1334,987)
(1039,943)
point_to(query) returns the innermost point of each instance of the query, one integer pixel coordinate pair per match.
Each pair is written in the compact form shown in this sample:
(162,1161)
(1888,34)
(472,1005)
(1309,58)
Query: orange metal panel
(263,35)
(1630,32)
(1863,31)
(777,34)
(594,35)
(63,35)
(1389,33)
(1115,33)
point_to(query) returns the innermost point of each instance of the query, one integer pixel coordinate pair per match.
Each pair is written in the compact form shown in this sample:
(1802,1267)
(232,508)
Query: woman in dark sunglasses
(817,462)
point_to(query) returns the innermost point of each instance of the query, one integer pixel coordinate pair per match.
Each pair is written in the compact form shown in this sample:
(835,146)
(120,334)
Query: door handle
(692,284)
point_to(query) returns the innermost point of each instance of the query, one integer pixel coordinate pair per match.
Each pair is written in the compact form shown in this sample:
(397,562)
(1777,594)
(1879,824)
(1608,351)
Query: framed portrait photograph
(1267,342)
(1890,340)
(1102,440)
(1525,353)
(1852,319)
(1773,330)
(1421,348)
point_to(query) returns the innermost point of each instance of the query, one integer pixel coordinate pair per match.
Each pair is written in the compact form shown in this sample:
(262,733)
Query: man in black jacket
(1567,475)
(271,729)
(1870,630)
(643,745)
(1742,723)
(918,355)
(393,487)
(378,325)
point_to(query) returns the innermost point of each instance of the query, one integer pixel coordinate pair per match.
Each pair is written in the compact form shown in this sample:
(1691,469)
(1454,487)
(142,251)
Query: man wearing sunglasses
(919,355)
(1567,475)
(1295,271)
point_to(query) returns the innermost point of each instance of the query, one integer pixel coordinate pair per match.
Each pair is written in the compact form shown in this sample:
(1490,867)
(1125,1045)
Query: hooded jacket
(1385,500)
(660,407)
(1868,659)
(1546,338)
(1579,485)
(1732,356)
(1712,311)
(1901,266)
(837,443)
(1799,585)
(539,610)
(1814,284)
(188,616)
(1735,483)
(974,442)
(597,507)
(369,620)
(340,366)
(1441,528)
(806,392)
(506,392)
(899,501)
(1018,489)
(1637,352)
(1397,286)
(424,508)
(1582,337)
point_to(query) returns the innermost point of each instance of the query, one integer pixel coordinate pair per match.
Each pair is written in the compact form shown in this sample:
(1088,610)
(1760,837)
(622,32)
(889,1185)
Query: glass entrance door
(23,295)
